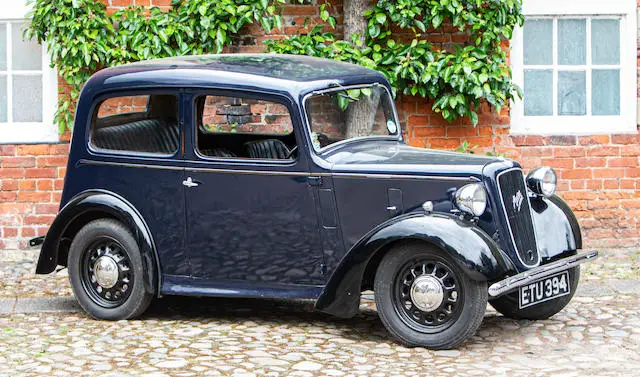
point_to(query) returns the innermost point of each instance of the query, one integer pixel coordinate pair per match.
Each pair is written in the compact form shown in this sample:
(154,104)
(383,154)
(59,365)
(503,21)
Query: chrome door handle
(392,208)
(190,183)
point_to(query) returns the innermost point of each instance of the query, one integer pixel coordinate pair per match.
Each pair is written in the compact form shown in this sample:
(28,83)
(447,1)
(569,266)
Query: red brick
(623,161)
(536,151)
(630,203)
(55,161)
(558,163)
(587,195)
(58,184)
(9,232)
(576,174)
(417,120)
(27,185)
(45,184)
(8,196)
(527,140)
(561,140)
(632,173)
(34,196)
(593,139)
(11,173)
(611,184)
(18,162)
(40,173)
(429,132)
(300,10)
(7,150)
(569,151)
(35,149)
(608,173)
(461,131)
(46,209)
(440,143)
(603,151)
(420,143)
(591,162)
(60,149)
(38,219)
(625,139)
(627,184)
(630,150)
(9,185)
(28,232)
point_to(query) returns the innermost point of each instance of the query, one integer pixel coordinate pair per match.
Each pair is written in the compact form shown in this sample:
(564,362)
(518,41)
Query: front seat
(273,149)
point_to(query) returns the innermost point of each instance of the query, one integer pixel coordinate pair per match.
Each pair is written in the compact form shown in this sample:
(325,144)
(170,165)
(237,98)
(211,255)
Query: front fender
(476,253)
(557,229)
(101,204)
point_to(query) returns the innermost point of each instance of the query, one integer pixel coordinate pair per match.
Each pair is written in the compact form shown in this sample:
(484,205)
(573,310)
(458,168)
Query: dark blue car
(287,177)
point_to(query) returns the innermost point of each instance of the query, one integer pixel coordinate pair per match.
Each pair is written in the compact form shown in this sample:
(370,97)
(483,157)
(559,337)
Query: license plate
(545,289)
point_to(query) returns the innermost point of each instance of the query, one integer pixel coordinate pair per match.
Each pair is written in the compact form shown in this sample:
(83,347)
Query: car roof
(294,74)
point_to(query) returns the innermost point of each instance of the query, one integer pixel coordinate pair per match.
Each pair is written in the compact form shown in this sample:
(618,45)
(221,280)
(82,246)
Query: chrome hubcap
(106,271)
(426,293)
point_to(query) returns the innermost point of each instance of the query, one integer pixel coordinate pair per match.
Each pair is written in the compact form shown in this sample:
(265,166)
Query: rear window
(146,124)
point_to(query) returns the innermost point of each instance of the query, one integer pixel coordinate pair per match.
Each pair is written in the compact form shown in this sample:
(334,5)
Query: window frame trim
(29,132)
(626,122)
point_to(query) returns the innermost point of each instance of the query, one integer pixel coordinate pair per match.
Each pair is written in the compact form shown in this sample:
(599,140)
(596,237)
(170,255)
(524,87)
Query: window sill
(28,133)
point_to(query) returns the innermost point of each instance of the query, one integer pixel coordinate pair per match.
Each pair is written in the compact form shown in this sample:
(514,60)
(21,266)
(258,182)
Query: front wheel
(425,299)
(106,271)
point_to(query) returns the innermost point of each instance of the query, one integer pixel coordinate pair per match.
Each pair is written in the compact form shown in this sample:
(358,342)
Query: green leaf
(381,18)
(474,117)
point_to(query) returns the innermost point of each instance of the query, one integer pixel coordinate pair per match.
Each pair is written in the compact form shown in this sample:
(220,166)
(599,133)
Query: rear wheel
(425,299)
(508,306)
(106,271)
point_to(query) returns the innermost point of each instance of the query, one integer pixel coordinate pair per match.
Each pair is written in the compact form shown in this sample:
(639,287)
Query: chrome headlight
(542,181)
(471,198)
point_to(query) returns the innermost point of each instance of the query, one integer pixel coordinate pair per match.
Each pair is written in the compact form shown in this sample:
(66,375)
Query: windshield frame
(338,88)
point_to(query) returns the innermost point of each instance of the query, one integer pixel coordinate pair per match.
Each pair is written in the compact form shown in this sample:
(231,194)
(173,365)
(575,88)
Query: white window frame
(29,132)
(626,122)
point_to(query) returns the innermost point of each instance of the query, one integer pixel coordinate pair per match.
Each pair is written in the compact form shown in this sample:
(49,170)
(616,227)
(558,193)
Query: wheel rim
(107,274)
(427,294)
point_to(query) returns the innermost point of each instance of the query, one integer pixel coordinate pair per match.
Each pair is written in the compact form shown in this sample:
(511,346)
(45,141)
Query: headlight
(472,198)
(542,181)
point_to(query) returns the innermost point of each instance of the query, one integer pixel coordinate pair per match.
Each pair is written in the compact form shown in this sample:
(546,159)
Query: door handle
(190,182)
(392,208)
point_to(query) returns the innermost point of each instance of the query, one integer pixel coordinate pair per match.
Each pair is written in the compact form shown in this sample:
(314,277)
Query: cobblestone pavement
(598,334)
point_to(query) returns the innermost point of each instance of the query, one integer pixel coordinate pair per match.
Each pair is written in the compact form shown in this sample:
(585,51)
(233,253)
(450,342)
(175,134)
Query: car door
(250,209)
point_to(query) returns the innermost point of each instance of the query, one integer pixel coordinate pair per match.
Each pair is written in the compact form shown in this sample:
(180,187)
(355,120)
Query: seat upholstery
(268,149)
(147,135)
(218,152)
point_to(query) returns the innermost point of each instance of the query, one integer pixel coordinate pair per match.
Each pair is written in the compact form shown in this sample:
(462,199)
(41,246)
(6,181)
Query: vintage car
(287,177)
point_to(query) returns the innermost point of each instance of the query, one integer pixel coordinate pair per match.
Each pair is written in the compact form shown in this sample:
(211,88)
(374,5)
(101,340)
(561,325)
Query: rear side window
(141,124)
(236,127)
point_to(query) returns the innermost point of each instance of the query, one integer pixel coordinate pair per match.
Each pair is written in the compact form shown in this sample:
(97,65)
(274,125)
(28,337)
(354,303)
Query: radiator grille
(518,212)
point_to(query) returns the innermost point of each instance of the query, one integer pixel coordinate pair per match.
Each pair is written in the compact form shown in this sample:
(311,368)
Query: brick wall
(599,175)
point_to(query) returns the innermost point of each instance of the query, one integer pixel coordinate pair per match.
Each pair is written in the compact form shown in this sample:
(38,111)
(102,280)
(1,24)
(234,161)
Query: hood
(393,157)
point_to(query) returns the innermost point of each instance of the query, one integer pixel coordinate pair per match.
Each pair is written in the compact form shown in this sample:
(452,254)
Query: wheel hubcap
(426,293)
(106,270)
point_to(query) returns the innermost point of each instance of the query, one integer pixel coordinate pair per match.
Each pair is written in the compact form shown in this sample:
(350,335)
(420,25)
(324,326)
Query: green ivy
(82,38)
(458,81)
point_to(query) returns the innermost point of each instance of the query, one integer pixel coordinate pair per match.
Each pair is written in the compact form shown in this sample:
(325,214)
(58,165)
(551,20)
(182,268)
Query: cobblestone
(597,334)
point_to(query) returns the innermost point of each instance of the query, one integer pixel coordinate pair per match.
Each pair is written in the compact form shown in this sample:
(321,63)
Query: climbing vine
(82,37)
(458,80)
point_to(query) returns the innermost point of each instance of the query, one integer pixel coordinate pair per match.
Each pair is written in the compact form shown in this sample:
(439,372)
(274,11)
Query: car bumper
(512,282)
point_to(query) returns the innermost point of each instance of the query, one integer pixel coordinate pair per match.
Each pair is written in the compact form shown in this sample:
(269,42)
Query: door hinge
(315,181)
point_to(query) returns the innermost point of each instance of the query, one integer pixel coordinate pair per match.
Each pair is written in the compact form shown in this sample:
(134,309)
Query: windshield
(337,115)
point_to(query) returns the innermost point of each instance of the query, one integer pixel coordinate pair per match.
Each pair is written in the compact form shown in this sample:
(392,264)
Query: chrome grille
(515,203)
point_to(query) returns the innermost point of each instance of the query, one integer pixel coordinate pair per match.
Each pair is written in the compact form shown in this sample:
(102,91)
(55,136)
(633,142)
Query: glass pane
(605,92)
(3,98)
(538,41)
(3,47)
(572,41)
(27,98)
(605,41)
(572,93)
(538,92)
(25,55)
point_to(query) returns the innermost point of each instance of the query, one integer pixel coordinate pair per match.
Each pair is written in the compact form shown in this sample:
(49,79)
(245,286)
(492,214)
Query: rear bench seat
(148,135)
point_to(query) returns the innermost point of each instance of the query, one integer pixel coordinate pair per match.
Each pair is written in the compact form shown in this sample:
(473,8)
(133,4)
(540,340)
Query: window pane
(572,41)
(3,47)
(605,41)
(572,93)
(538,92)
(25,55)
(27,98)
(235,127)
(605,92)
(123,105)
(152,131)
(538,41)
(3,98)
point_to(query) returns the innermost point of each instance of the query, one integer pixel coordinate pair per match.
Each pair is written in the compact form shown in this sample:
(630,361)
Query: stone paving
(598,334)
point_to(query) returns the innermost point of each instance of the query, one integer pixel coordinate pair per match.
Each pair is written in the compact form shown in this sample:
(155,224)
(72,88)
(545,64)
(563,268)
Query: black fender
(103,203)
(557,229)
(475,251)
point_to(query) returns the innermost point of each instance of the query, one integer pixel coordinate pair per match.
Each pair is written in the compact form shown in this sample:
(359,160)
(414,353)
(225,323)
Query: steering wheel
(291,152)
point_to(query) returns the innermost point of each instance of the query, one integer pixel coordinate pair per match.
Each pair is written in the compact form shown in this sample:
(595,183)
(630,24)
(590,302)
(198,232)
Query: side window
(235,127)
(145,124)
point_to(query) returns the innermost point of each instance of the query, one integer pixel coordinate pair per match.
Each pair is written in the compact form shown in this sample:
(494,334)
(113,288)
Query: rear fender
(476,253)
(98,203)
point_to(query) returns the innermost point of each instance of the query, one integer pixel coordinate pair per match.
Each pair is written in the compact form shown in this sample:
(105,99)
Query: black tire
(507,305)
(130,296)
(436,328)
